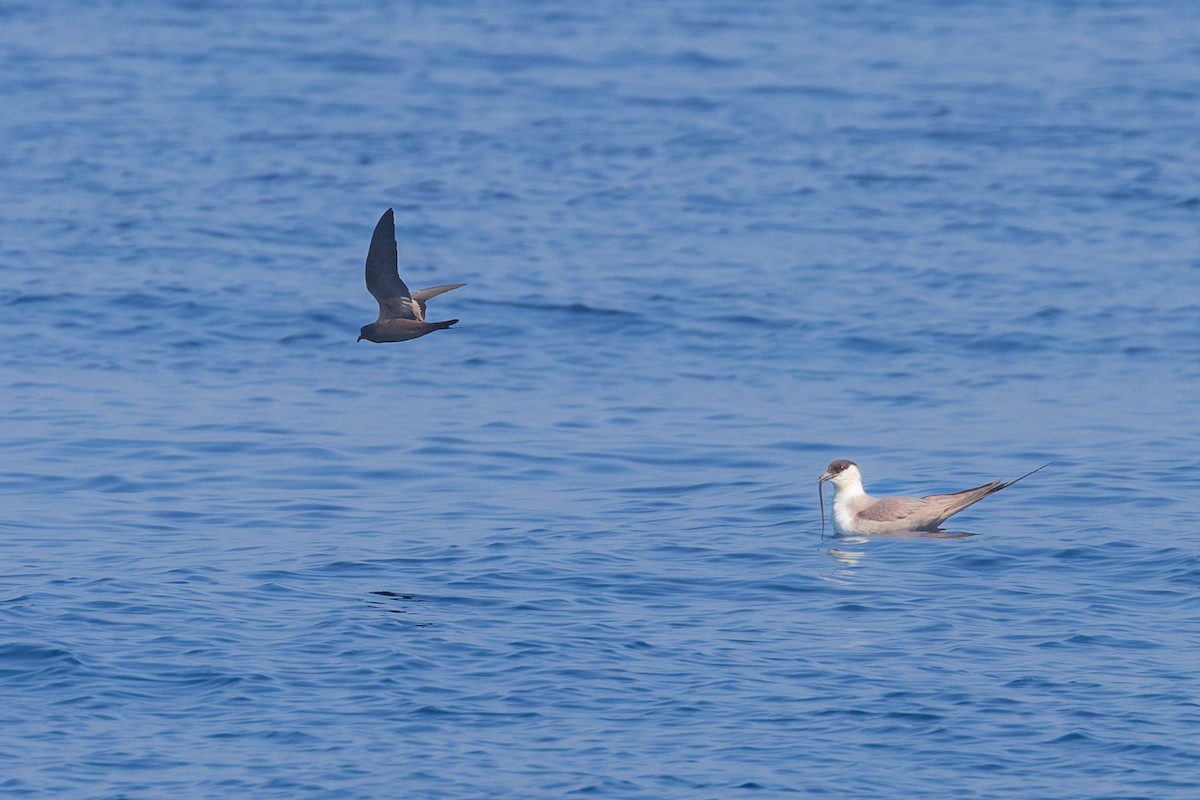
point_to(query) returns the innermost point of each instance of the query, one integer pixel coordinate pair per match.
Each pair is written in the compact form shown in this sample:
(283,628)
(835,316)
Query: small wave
(576,308)
(23,658)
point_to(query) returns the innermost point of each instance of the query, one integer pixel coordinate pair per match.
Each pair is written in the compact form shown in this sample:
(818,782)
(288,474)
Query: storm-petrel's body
(401,313)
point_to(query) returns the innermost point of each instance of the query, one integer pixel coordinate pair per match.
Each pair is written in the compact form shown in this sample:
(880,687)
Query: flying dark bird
(401,312)
(856,512)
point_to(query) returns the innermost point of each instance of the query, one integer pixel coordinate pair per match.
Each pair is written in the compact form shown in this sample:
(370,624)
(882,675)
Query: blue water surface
(572,547)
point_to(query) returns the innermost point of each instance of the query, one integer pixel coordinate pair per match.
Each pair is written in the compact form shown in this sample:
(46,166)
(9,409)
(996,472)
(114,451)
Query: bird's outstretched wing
(383,275)
(434,291)
(420,296)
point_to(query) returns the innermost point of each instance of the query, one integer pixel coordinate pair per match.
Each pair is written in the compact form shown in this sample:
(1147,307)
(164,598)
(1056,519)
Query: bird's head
(841,473)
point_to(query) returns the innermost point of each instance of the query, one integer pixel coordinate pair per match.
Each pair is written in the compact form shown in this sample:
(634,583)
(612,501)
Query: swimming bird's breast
(846,505)
(843,517)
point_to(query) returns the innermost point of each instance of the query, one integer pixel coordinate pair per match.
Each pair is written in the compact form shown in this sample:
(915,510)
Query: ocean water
(573,547)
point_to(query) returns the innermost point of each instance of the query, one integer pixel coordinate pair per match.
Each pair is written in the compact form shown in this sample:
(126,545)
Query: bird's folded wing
(892,509)
(947,505)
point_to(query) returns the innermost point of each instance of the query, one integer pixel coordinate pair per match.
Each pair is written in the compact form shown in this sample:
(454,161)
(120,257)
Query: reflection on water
(850,559)
(847,559)
(938,534)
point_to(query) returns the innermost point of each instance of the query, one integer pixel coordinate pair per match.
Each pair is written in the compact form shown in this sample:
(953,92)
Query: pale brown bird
(856,512)
(401,313)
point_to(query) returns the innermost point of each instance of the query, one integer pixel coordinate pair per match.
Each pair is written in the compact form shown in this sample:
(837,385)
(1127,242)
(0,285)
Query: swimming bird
(856,512)
(401,313)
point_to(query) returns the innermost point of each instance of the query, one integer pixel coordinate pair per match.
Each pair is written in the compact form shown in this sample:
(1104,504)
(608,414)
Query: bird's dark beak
(359,339)
(825,476)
